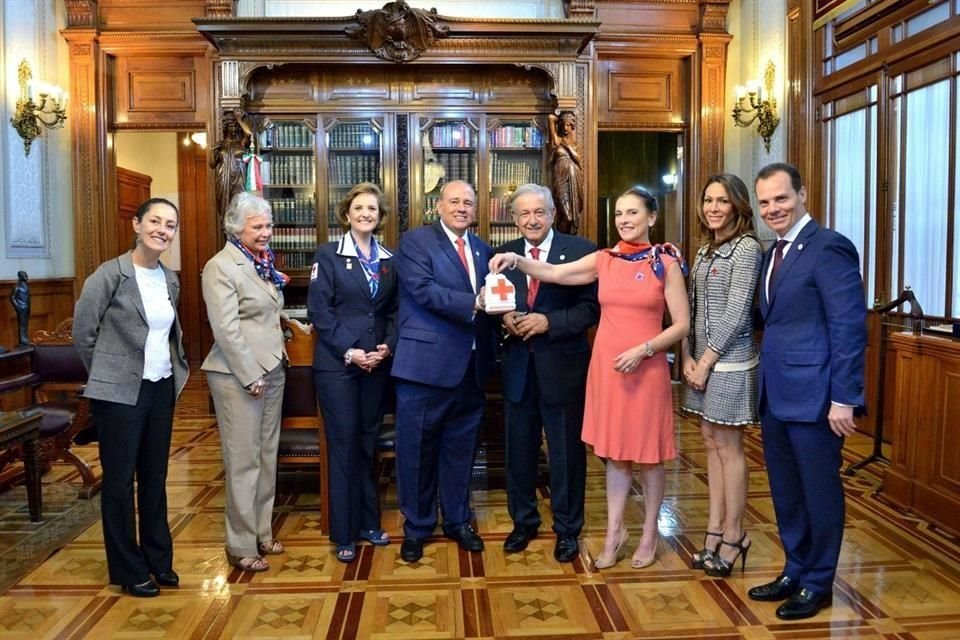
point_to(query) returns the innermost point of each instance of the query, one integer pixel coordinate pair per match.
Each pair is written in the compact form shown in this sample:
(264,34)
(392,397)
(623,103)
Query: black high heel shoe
(706,553)
(720,567)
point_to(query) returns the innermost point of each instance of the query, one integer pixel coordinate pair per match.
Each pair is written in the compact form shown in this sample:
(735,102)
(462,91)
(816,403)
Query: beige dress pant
(249,438)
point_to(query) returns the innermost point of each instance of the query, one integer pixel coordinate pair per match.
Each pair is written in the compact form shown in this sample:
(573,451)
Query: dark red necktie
(534,285)
(777,260)
(462,254)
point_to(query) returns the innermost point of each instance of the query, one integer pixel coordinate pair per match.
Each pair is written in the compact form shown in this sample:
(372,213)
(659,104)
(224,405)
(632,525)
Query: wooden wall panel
(632,17)
(167,90)
(51,302)
(642,90)
(164,15)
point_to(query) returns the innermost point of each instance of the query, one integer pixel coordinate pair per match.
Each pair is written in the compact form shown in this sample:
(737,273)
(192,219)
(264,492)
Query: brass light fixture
(750,100)
(39,104)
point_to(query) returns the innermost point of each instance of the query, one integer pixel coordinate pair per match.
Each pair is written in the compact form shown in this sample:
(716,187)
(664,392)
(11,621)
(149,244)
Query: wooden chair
(55,382)
(303,444)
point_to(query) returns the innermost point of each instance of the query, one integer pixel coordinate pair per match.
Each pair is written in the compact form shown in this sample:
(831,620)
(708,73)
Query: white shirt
(156,304)
(466,248)
(544,249)
(790,238)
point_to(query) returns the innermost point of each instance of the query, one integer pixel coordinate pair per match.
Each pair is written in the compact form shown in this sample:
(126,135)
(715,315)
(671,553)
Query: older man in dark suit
(811,380)
(545,358)
(444,354)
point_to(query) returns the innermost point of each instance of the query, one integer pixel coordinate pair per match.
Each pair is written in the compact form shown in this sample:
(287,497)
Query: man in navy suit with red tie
(811,381)
(443,357)
(545,359)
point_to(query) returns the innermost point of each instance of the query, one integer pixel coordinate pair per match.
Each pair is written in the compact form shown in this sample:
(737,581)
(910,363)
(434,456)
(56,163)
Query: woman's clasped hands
(369,360)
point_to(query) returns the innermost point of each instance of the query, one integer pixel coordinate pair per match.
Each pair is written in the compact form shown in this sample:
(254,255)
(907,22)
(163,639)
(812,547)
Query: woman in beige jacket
(245,372)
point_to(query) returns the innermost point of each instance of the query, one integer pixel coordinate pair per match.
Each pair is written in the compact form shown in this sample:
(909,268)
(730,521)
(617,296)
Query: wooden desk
(924,475)
(23,428)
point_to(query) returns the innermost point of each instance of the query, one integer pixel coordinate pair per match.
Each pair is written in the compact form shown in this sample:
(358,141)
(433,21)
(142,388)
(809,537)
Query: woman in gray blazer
(126,328)
(245,372)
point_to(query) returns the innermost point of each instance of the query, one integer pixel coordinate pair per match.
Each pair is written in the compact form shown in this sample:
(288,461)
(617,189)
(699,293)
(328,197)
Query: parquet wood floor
(899,576)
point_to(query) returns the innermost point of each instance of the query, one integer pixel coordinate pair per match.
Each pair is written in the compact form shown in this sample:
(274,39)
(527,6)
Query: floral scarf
(263,264)
(634,252)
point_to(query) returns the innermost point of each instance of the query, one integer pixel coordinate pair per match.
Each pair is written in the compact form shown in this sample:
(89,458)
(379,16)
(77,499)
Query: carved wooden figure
(567,172)
(227,160)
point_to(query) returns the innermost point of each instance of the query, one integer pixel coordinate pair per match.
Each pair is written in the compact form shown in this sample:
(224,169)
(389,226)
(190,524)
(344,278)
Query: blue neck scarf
(371,265)
(262,263)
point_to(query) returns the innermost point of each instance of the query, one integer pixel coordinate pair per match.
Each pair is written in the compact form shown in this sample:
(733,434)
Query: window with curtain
(851,130)
(922,224)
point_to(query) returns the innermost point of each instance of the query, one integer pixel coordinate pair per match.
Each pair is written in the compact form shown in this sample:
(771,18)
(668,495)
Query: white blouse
(160,315)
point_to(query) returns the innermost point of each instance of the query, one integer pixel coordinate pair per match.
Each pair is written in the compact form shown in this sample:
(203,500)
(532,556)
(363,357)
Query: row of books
(500,209)
(354,136)
(516,173)
(459,166)
(451,135)
(287,136)
(516,136)
(294,239)
(286,261)
(300,209)
(288,170)
(351,169)
(502,234)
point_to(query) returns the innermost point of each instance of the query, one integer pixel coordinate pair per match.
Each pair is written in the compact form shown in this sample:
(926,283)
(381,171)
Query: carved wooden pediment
(398,32)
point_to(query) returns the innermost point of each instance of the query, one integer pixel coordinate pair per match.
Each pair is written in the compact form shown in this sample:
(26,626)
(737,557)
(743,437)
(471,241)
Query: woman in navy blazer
(353,306)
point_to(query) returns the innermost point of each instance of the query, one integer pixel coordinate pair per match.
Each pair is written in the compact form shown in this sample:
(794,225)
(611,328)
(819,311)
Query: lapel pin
(349,263)
(800,247)
(563,257)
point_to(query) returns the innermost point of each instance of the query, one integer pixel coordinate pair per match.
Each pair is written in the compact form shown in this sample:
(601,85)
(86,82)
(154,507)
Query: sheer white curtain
(849,182)
(923,221)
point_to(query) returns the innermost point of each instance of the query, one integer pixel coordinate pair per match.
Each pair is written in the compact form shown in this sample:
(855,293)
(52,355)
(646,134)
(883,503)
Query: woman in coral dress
(628,417)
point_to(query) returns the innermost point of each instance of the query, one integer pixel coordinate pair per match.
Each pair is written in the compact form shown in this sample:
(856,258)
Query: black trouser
(136,440)
(562,423)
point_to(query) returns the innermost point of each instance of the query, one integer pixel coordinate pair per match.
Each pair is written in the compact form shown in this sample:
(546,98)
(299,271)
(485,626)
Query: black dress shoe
(411,550)
(567,548)
(780,589)
(167,578)
(519,538)
(466,537)
(804,604)
(148,589)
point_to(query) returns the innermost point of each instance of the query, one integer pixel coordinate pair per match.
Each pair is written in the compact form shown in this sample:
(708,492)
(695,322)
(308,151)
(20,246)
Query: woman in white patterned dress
(720,362)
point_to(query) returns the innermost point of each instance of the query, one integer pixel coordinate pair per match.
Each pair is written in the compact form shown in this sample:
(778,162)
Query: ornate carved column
(713,39)
(219,8)
(88,135)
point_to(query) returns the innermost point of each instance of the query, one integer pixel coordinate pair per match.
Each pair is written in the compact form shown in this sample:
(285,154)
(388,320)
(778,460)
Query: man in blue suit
(545,360)
(811,381)
(444,354)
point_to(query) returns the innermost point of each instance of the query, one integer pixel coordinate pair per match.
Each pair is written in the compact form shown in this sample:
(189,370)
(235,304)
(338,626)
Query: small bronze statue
(227,160)
(567,172)
(20,299)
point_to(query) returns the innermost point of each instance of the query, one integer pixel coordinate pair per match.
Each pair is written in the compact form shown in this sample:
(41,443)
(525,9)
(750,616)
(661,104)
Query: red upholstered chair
(56,379)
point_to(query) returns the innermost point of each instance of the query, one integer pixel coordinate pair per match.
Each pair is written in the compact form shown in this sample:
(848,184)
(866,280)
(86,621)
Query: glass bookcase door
(354,155)
(449,148)
(288,171)
(516,149)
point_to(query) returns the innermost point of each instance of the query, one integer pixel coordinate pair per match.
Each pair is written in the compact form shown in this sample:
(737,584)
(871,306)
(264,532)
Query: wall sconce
(750,100)
(39,104)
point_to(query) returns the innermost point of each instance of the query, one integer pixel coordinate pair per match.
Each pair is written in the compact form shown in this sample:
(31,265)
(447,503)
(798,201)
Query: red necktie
(534,285)
(462,254)
(777,260)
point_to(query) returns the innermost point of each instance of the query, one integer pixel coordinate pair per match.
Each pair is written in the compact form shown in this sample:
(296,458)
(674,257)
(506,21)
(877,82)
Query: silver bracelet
(348,357)
(516,259)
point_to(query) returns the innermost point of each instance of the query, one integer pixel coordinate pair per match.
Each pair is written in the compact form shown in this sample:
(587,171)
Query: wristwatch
(649,351)
(348,357)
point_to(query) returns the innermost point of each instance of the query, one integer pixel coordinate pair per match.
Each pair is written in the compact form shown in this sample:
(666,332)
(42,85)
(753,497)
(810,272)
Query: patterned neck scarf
(634,252)
(371,265)
(263,264)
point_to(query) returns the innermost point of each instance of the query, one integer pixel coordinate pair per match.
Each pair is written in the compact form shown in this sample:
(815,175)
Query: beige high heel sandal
(601,562)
